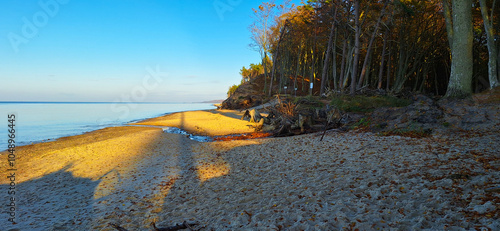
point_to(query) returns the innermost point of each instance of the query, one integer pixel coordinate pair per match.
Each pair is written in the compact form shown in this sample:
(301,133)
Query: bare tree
(260,32)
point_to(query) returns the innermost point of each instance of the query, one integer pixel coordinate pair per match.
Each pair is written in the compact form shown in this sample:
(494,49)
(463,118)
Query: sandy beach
(134,175)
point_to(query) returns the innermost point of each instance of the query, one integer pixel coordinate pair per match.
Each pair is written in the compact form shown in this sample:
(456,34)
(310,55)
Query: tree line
(443,47)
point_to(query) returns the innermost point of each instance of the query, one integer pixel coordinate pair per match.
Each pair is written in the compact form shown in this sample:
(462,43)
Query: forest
(437,47)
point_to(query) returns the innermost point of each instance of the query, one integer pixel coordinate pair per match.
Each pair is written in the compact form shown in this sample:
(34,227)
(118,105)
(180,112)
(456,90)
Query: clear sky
(123,50)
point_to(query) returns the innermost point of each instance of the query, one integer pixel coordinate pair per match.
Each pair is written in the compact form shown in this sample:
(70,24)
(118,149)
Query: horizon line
(94,102)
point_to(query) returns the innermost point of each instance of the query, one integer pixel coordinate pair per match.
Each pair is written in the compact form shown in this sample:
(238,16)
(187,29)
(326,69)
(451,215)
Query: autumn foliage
(403,46)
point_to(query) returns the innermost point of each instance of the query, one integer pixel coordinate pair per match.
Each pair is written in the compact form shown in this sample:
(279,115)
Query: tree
(401,45)
(357,28)
(256,70)
(260,32)
(459,28)
(369,49)
(490,38)
(232,89)
(245,74)
(327,54)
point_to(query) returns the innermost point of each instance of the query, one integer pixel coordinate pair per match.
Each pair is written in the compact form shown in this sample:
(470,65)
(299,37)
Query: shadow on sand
(42,206)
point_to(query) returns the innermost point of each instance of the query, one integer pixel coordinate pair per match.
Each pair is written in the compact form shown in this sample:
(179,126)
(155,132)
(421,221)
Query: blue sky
(123,50)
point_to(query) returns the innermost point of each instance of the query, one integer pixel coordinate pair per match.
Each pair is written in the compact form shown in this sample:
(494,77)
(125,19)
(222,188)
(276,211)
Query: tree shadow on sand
(205,176)
(39,208)
(74,185)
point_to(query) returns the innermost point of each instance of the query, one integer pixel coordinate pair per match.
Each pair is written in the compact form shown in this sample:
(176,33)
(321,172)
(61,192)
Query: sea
(36,122)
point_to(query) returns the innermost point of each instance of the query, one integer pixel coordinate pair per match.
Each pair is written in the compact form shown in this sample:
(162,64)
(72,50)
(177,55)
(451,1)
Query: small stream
(174,130)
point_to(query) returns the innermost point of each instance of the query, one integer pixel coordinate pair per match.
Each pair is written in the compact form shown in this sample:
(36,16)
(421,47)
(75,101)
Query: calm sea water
(38,122)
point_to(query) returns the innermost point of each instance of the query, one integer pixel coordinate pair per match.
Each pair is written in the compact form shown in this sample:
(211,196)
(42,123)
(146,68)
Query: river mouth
(175,130)
(248,136)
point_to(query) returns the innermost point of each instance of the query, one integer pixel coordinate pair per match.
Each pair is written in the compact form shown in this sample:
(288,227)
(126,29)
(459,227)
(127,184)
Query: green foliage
(367,103)
(410,131)
(253,71)
(232,89)
(362,123)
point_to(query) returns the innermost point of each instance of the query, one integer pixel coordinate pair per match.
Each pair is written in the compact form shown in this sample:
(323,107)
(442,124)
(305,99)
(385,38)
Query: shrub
(232,89)
(360,103)
(410,131)
(362,124)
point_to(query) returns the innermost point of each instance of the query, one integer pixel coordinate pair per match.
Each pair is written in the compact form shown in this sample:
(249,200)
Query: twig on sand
(324,131)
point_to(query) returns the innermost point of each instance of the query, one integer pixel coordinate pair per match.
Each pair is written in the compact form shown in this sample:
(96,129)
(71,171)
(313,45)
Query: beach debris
(258,127)
(184,225)
(117,227)
(333,116)
(493,189)
(255,135)
(253,114)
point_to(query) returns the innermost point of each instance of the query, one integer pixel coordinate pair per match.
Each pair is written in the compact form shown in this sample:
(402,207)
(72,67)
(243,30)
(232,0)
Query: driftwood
(334,116)
(284,130)
(258,127)
(184,225)
(253,114)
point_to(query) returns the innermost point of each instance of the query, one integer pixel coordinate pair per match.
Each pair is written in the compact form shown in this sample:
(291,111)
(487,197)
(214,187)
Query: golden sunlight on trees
(346,46)
(232,89)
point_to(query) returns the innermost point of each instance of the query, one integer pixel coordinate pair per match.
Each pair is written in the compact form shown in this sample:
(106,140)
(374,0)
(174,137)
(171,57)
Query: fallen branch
(184,225)
(117,227)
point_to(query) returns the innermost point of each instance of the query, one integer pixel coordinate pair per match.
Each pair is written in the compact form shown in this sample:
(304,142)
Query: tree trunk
(388,83)
(492,50)
(327,54)
(334,62)
(369,49)
(313,61)
(297,70)
(382,60)
(305,68)
(349,64)
(264,61)
(342,65)
(460,84)
(275,58)
(355,62)
(449,23)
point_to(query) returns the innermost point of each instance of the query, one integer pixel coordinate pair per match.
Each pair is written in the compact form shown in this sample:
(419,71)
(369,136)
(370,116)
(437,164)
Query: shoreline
(58,120)
(98,127)
(133,175)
